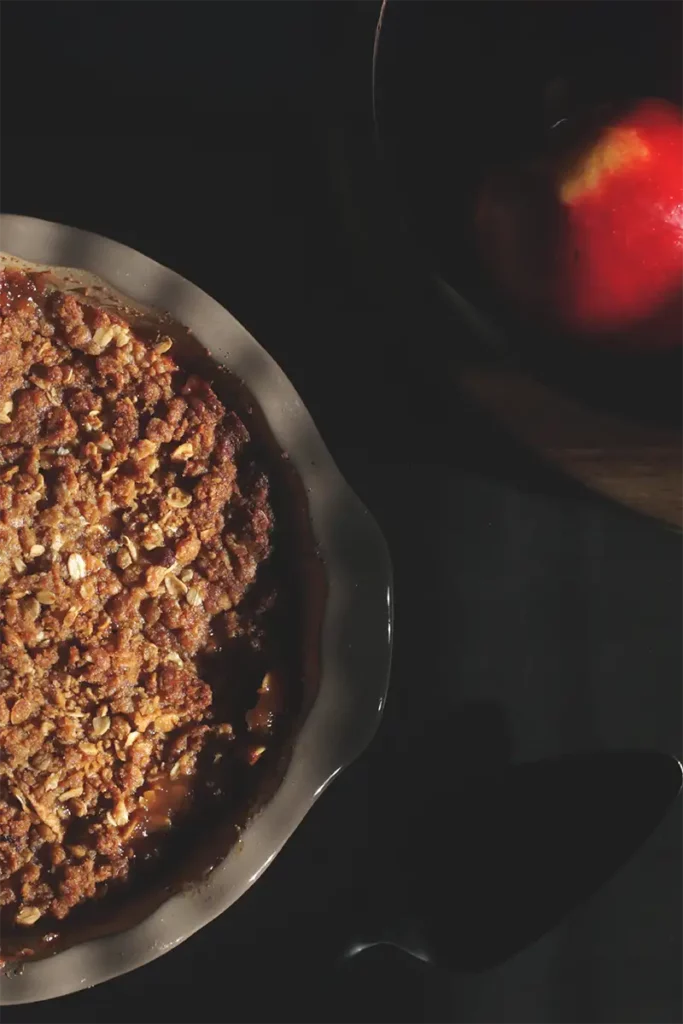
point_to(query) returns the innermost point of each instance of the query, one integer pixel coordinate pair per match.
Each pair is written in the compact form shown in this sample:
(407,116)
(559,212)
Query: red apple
(591,240)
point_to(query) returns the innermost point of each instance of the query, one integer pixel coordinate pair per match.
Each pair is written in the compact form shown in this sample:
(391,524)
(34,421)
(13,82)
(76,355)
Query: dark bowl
(460,89)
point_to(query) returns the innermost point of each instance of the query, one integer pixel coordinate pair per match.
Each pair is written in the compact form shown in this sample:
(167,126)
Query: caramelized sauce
(262,716)
(160,805)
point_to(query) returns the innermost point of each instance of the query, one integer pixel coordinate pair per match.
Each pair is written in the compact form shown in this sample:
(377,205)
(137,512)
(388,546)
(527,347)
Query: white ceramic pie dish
(355,618)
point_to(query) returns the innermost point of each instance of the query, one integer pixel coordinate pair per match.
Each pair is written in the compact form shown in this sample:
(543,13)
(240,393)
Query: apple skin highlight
(592,241)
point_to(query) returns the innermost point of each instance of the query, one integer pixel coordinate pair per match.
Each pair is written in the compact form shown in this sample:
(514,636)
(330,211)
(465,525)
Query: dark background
(532,619)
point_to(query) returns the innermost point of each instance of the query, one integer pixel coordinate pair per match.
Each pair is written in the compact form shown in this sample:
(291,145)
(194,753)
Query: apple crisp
(133,523)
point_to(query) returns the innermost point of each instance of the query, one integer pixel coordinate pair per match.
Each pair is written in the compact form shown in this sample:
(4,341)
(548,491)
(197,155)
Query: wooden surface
(638,465)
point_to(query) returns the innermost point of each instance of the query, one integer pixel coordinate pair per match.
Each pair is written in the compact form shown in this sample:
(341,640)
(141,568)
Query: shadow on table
(492,863)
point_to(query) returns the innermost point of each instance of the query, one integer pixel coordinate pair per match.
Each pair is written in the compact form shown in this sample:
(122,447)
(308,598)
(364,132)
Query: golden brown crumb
(127,538)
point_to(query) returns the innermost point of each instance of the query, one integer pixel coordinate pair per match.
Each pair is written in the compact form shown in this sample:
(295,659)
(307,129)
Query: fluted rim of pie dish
(356,635)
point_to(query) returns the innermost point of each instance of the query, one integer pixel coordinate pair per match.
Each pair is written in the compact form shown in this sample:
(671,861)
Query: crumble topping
(131,527)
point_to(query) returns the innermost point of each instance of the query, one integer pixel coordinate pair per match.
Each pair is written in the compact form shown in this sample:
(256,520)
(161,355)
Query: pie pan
(349,624)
